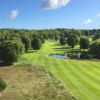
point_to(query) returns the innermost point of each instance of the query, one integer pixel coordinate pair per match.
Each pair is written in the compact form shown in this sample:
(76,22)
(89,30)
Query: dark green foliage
(84,43)
(56,37)
(3,84)
(26,41)
(72,40)
(95,48)
(86,55)
(43,40)
(36,43)
(10,51)
(87,33)
(45,36)
(62,40)
(96,36)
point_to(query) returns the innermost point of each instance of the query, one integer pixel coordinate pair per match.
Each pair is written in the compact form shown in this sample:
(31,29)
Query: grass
(81,78)
(30,82)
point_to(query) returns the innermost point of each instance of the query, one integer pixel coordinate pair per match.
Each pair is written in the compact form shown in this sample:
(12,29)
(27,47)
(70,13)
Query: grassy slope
(31,83)
(80,77)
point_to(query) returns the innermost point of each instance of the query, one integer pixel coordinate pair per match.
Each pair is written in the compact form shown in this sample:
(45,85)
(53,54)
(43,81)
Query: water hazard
(59,56)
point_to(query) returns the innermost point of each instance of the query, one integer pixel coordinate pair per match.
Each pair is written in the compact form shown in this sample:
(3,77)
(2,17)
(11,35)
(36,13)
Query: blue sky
(47,14)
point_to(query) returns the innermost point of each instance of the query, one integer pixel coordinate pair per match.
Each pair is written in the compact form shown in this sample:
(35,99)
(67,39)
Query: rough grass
(81,78)
(31,83)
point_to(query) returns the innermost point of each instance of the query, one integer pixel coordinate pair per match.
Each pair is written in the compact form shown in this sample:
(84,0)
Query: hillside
(31,83)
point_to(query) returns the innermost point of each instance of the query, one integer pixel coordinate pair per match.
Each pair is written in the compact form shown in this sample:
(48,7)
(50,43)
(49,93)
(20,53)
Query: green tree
(96,36)
(42,40)
(84,43)
(95,48)
(3,84)
(36,43)
(56,37)
(45,36)
(87,33)
(72,40)
(10,51)
(26,41)
(62,40)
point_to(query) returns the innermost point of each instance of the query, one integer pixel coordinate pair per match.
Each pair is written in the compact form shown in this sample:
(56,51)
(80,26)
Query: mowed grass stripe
(80,80)
(71,81)
(88,82)
(83,80)
(94,67)
(48,64)
(63,75)
(89,70)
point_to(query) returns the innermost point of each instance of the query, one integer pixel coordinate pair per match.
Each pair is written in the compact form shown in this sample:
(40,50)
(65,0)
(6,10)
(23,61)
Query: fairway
(81,78)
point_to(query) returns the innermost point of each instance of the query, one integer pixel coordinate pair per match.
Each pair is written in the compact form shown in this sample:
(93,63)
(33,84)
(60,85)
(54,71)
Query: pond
(59,56)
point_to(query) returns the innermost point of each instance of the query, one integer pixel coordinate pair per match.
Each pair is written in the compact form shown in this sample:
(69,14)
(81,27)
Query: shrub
(85,55)
(3,84)
(72,55)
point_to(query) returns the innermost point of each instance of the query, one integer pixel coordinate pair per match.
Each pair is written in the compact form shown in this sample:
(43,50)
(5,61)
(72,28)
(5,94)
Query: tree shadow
(31,51)
(75,51)
(2,64)
(68,49)
(57,44)
(61,49)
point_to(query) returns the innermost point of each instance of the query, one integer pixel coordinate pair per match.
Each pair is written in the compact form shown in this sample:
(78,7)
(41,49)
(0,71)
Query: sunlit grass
(81,78)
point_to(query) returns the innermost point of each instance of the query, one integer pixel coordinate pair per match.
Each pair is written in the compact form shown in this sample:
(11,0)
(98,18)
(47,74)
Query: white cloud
(87,21)
(54,4)
(13,14)
(98,15)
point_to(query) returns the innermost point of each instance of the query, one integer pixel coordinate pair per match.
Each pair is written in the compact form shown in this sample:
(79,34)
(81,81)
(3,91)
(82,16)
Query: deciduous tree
(36,43)
(10,51)
(95,48)
(62,40)
(84,43)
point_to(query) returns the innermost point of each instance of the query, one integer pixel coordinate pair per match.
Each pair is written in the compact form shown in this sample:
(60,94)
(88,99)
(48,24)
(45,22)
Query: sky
(50,14)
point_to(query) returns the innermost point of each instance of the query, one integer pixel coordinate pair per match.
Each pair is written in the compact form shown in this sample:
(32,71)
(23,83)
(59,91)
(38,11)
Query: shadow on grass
(2,64)
(56,44)
(68,50)
(75,51)
(62,48)
(31,51)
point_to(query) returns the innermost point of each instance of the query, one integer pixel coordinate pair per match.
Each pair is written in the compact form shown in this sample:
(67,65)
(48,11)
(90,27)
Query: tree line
(91,43)
(14,42)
